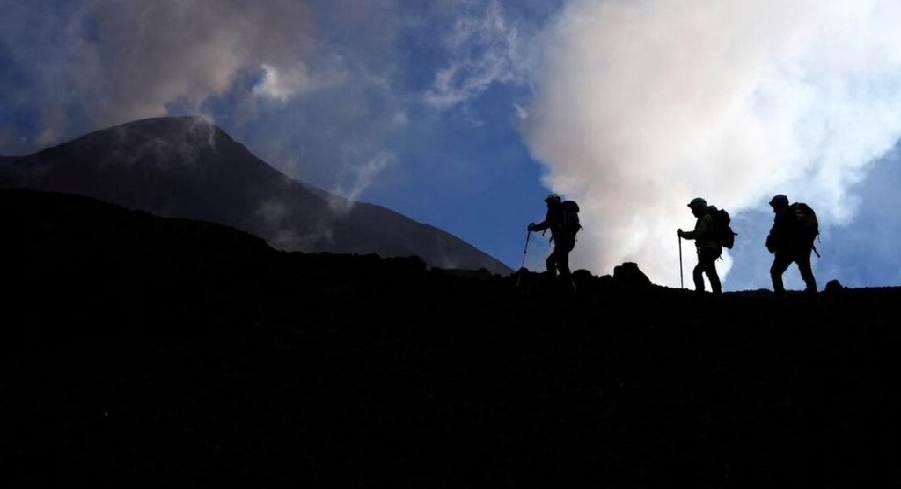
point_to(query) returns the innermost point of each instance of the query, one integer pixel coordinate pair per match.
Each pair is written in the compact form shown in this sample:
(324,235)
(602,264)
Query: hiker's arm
(702,226)
(776,237)
(782,224)
(770,243)
(541,226)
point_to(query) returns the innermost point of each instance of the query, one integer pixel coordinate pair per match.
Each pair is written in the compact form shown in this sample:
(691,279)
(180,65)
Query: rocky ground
(147,351)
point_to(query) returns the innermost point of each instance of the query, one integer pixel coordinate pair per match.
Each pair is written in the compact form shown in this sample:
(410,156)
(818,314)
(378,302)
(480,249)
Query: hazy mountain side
(188,168)
(435,246)
(145,350)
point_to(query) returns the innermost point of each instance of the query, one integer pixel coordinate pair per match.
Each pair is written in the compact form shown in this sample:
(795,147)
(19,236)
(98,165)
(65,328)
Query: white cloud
(119,61)
(642,105)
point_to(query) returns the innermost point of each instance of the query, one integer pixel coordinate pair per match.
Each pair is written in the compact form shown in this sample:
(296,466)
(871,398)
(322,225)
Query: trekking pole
(681,280)
(523,264)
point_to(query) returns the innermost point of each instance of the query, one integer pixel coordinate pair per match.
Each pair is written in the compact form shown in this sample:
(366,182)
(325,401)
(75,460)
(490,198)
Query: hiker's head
(552,199)
(697,205)
(778,201)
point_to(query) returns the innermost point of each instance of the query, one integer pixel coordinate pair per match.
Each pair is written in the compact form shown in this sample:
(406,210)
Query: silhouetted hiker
(708,248)
(563,235)
(790,244)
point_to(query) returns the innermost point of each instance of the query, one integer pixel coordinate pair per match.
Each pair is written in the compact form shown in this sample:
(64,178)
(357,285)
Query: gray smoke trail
(275,72)
(118,61)
(642,105)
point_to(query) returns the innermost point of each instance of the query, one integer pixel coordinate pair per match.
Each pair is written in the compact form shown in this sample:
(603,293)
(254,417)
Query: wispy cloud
(482,50)
(359,178)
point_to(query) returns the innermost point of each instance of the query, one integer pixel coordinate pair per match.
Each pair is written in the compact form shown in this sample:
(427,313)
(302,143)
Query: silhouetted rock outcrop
(629,275)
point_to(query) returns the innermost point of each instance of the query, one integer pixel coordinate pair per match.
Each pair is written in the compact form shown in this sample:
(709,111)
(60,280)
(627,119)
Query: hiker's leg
(696,274)
(566,280)
(803,261)
(562,249)
(563,266)
(780,265)
(715,283)
(708,258)
(551,264)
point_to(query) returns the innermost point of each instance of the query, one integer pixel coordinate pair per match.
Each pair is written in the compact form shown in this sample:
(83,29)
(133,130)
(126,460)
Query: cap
(552,197)
(779,199)
(697,201)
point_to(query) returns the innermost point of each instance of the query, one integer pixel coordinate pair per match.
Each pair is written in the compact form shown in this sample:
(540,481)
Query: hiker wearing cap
(787,247)
(564,239)
(705,242)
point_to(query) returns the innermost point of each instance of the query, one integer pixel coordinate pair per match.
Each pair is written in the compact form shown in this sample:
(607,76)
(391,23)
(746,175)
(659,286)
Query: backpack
(805,225)
(722,231)
(570,224)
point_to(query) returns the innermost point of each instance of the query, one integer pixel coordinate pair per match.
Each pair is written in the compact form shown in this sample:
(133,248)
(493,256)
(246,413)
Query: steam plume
(642,105)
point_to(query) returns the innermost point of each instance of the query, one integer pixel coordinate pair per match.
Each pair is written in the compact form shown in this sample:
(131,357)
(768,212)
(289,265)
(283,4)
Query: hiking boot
(780,296)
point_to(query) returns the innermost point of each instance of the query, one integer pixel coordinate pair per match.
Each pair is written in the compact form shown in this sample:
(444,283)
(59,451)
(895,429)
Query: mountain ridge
(188,167)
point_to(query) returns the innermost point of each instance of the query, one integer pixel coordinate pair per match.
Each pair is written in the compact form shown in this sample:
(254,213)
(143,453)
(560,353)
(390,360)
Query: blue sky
(464,114)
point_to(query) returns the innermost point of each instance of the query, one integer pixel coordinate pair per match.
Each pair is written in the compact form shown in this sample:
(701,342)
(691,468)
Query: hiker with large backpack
(791,241)
(562,219)
(709,248)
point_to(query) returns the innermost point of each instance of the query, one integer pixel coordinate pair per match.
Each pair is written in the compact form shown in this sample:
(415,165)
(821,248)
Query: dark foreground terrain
(144,351)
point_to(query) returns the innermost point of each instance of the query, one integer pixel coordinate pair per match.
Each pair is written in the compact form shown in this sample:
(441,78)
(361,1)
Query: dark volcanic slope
(186,167)
(156,352)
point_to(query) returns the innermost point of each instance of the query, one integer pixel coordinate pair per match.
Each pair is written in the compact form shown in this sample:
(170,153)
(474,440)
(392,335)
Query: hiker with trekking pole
(562,219)
(708,247)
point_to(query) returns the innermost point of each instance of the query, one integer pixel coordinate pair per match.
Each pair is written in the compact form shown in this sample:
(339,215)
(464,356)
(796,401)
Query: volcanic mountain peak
(189,167)
(165,142)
